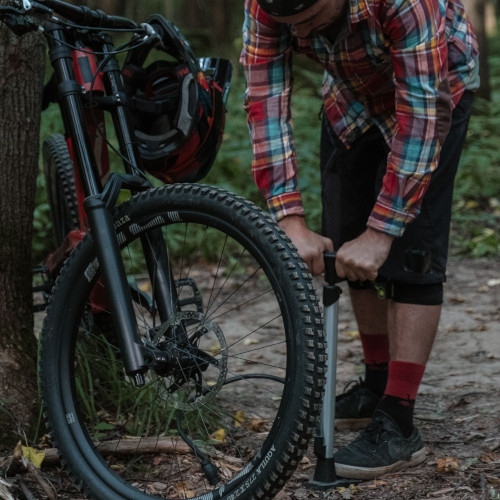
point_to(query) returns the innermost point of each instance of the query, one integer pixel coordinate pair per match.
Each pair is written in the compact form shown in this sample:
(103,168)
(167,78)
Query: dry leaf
(471,204)
(447,464)
(353,334)
(215,349)
(489,457)
(493,480)
(183,492)
(250,341)
(34,456)
(376,483)
(239,418)
(219,435)
(256,424)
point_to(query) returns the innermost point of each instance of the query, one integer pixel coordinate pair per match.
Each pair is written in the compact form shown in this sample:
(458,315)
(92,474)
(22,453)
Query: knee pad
(427,294)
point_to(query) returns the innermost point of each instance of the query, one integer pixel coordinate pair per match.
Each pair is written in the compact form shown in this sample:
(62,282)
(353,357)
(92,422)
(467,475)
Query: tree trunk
(169,9)
(21,80)
(221,34)
(195,14)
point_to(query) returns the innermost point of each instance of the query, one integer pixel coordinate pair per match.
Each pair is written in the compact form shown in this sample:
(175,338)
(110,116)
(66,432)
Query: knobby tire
(249,400)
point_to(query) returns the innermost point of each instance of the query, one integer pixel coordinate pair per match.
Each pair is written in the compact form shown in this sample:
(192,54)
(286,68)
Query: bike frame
(75,91)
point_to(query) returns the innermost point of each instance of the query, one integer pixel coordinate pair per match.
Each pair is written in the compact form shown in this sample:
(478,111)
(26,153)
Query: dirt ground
(458,407)
(457,410)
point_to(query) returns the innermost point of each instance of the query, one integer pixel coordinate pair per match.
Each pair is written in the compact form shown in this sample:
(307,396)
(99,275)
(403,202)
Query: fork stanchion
(324,474)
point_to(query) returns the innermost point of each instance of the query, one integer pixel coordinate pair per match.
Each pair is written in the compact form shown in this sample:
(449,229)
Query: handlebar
(88,17)
(77,14)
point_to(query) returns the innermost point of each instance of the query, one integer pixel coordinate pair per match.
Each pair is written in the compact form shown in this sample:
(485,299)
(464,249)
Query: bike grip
(85,16)
(331,276)
(101,19)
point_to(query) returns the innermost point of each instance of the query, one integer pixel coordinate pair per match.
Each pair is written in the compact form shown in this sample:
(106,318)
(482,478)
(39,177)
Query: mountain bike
(182,352)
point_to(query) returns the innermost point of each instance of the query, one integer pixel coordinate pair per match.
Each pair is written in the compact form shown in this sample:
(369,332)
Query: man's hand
(361,258)
(309,244)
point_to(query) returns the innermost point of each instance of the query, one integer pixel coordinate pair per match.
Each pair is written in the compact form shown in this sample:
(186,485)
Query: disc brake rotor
(189,388)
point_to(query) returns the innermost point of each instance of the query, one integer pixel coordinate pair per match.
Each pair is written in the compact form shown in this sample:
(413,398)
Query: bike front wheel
(233,414)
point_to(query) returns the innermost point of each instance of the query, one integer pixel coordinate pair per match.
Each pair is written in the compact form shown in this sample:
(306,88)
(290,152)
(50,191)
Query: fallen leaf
(250,342)
(219,435)
(239,418)
(472,204)
(489,457)
(447,464)
(376,483)
(459,404)
(256,424)
(215,349)
(456,300)
(183,491)
(34,456)
(353,334)
(493,480)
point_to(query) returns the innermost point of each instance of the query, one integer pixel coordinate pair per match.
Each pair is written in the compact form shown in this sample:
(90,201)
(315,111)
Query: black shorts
(351,180)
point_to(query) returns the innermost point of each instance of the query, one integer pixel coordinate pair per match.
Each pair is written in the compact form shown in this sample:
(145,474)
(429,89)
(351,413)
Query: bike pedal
(187,285)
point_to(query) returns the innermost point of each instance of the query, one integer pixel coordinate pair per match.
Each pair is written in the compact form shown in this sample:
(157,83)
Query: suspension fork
(100,218)
(153,245)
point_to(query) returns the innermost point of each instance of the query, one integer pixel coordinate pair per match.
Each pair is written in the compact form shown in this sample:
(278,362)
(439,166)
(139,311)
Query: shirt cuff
(388,221)
(286,204)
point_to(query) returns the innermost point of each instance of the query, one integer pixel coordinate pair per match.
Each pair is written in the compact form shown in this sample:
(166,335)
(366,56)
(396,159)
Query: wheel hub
(197,358)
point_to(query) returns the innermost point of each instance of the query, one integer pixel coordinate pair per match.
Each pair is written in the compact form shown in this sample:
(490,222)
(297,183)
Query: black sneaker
(354,408)
(378,450)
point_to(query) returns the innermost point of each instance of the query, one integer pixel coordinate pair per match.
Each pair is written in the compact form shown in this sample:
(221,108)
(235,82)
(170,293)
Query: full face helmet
(177,104)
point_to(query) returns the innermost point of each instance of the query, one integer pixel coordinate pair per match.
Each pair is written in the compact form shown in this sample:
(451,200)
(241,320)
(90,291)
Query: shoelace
(355,384)
(373,432)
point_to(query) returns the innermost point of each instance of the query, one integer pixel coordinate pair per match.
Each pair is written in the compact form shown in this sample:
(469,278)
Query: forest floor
(457,410)
(458,406)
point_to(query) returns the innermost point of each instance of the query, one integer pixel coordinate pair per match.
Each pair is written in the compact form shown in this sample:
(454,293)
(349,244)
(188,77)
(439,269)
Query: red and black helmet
(177,105)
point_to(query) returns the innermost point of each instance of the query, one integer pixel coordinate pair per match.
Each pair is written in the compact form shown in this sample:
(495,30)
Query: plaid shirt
(401,65)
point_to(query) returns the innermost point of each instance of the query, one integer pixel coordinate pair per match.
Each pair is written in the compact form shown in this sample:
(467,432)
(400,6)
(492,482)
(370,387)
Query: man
(397,96)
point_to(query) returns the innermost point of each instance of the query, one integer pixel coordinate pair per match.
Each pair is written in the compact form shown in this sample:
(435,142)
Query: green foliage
(111,401)
(476,202)
(476,210)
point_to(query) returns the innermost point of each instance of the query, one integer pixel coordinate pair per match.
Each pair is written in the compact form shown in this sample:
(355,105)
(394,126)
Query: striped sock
(401,391)
(376,358)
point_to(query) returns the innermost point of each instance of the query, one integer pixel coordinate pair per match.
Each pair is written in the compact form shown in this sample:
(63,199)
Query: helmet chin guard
(177,105)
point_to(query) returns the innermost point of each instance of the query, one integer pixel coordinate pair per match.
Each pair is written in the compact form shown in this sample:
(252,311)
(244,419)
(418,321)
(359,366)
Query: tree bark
(221,34)
(21,81)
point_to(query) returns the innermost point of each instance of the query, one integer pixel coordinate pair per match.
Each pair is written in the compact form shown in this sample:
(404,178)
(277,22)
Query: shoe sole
(351,424)
(352,472)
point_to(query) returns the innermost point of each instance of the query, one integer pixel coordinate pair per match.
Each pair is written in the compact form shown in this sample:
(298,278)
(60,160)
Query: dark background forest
(214,29)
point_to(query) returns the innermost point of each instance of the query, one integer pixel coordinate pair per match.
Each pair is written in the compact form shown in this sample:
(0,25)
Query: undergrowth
(476,206)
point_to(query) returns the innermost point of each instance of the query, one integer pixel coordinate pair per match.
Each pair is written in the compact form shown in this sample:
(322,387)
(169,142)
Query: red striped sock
(375,348)
(404,379)
(376,357)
